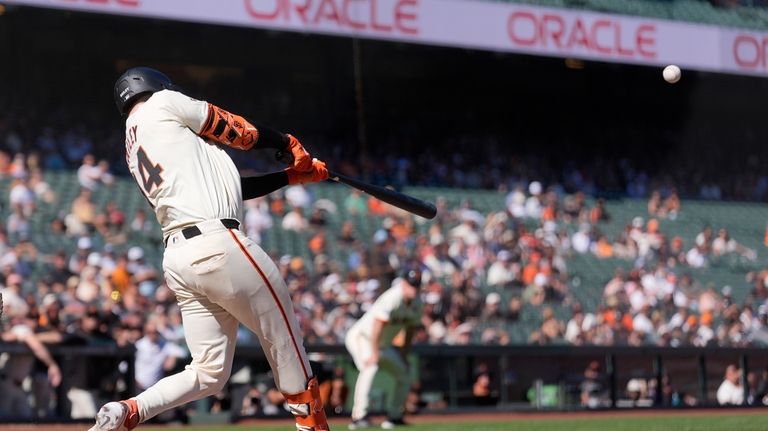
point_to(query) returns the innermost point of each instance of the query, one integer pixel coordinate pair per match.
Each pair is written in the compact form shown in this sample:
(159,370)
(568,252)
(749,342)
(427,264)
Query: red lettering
(374,22)
(619,48)
(546,30)
(512,28)
(354,14)
(260,13)
(646,42)
(599,24)
(405,21)
(327,11)
(578,36)
(126,3)
(357,25)
(751,44)
(301,10)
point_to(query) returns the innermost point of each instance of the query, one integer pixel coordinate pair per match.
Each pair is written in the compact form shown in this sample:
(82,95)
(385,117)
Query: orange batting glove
(302,161)
(317,172)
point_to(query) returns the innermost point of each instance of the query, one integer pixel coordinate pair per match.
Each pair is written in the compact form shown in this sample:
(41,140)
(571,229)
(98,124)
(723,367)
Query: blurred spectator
(90,175)
(41,188)
(355,203)
(154,356)
(503,272)
(491,311)
(21,198)
(295,220)
(80,219)
(731,392)
(140,225)
(591,387)
(257,219)
(18,367)
(298,196)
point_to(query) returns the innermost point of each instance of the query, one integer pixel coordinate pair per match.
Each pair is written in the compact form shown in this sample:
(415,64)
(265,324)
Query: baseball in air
(672,73)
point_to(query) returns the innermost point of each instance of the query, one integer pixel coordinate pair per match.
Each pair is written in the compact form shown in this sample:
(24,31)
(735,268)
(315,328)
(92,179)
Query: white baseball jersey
(186,179)
(390,308)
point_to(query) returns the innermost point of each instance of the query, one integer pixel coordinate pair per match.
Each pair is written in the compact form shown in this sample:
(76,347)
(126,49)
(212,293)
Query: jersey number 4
(150,173)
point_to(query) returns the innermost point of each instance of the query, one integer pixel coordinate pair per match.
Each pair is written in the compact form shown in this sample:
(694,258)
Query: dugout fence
(520,377)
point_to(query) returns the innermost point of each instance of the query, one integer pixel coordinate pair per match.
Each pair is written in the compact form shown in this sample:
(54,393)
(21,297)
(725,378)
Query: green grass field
(749,422)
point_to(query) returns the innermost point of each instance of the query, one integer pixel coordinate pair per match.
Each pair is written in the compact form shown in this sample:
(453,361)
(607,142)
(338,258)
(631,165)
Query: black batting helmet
(137,81)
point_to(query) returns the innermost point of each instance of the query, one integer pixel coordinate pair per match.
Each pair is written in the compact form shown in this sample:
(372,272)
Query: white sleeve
(191,112)
(386,303)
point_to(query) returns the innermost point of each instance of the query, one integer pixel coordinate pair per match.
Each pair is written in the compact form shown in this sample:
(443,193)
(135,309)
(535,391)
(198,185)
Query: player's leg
(210,333)
(392,362)
(360,349)
(261,301)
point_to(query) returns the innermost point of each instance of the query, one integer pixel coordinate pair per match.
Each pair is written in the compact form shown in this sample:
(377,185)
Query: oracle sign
(476,24)
(568,34)
(750,52)
(399,16)
(97,3)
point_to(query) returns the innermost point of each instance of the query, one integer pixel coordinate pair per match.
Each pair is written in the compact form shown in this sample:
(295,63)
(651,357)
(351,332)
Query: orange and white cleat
(117,416)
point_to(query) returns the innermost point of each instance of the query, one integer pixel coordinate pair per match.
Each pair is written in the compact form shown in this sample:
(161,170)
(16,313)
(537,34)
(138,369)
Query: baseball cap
(762,310)
(94,259)
(380,236)
(135,253)
(432,298)
(84,243)
(344,298)
(535,188)
(493,298)
(412,275)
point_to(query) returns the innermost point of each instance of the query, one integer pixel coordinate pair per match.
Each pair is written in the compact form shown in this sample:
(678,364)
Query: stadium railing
(523,377)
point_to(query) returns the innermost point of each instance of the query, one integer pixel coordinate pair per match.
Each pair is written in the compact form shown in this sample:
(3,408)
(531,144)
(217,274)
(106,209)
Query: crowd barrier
(520,377)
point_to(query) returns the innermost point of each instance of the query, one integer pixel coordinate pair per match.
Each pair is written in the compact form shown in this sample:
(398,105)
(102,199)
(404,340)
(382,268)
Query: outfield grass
(682,423)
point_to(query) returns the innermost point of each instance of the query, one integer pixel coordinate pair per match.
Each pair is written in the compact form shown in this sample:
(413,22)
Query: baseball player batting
(218,275)
(369,341)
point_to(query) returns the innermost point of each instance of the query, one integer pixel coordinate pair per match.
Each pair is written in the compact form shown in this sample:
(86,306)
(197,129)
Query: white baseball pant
(221,278)
(390,361)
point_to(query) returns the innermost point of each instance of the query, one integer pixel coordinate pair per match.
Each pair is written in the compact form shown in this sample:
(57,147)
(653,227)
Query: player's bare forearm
(39,350)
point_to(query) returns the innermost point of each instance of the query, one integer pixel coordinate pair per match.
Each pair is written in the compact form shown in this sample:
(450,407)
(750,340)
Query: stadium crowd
(486,272)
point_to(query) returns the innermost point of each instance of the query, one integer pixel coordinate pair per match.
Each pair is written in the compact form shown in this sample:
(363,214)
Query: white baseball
(672,73)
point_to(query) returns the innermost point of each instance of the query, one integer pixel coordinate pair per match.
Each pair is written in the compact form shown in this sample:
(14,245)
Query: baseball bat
(409,203)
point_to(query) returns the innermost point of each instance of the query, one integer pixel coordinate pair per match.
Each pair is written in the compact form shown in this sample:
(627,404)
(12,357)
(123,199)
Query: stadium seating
(587,274)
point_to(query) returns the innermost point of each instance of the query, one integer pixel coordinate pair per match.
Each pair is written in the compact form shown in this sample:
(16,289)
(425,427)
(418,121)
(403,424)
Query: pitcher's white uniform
(220,277)
(392,309)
